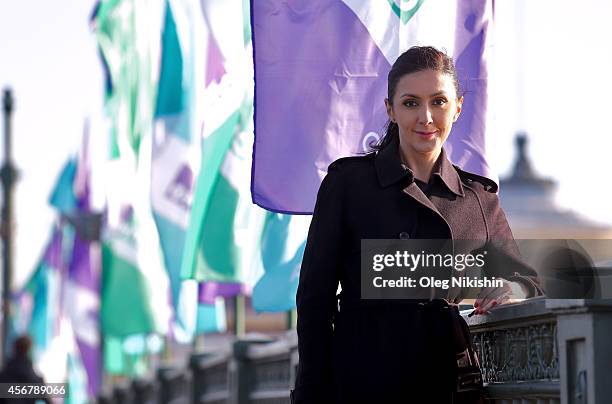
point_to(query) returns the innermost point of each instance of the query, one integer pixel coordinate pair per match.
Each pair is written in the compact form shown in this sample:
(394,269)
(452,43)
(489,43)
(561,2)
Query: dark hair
(415,59)
(22,346)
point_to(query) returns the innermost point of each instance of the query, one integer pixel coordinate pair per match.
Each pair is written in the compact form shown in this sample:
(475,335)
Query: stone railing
(518,351)
(546,351)
(535,352)
(211,378)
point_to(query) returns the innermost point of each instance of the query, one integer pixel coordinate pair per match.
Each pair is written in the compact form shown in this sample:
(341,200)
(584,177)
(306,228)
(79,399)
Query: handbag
(469,377)
(469,387)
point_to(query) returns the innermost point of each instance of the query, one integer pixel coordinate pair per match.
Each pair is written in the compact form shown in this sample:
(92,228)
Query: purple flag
(208,291)
(466,147)
(53,254)
(83,284)
(321,79)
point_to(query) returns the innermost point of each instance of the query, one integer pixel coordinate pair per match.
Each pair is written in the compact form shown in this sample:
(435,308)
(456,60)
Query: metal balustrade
(546,351)
(144,391)
(210,378)
(174,386)
(264,371)
(540,351)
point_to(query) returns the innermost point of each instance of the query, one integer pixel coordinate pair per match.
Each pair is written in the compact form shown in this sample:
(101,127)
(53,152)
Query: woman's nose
(425,116)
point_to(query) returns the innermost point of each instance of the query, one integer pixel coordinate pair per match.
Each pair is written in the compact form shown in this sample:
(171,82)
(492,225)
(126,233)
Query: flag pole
(8,175)
(239,315)
(291,319)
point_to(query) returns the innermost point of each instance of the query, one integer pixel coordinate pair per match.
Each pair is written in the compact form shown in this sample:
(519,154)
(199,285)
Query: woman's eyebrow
(416,96)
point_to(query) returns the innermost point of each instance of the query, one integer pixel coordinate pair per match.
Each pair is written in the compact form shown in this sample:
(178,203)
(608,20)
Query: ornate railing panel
(518,354)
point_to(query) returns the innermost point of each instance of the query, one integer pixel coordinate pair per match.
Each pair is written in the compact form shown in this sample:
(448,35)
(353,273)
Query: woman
(390,351)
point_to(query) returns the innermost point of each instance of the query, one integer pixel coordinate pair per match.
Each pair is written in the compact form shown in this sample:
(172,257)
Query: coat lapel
(390,171)
(415,192)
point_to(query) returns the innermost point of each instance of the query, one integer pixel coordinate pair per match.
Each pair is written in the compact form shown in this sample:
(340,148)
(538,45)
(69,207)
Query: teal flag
(133,295)
(282,248)
(135,285)
(228,250)
(128,32)
(210,247)
(62,197)
(174,157)
(211,318)
(191,70)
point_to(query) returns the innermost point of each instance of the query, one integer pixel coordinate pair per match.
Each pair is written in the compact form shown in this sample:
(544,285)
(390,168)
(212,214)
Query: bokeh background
(549,78)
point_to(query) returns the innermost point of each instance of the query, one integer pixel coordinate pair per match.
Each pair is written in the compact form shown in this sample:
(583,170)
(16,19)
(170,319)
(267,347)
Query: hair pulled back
(22,346)
(415,59)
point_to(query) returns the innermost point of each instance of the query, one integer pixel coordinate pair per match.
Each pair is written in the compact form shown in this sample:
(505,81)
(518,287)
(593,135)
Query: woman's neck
(421,164)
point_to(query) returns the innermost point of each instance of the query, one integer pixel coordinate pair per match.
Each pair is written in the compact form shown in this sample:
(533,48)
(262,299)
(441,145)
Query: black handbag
(469,386)
(469,377)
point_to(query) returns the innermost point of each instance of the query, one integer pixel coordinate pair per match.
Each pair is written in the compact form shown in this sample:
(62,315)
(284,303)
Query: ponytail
(391,135)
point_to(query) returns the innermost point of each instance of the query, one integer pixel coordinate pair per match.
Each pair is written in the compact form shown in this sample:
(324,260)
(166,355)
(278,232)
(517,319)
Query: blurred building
(529,201)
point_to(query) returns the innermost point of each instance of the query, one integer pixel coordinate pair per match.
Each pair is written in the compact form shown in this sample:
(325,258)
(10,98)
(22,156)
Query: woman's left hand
(489,298)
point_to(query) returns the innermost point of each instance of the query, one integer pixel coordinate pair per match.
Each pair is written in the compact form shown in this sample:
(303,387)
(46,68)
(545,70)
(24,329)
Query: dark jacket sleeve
(316,295)
(504,259)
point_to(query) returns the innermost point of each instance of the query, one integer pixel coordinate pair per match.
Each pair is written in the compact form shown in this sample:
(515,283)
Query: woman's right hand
(489,298)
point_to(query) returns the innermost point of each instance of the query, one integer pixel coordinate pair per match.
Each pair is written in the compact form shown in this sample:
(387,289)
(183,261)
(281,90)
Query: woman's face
(425,106)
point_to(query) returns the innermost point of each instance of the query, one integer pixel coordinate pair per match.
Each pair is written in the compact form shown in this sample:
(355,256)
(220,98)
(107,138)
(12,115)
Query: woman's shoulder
(351,172)
(485,190)
(476,181)
(364,161)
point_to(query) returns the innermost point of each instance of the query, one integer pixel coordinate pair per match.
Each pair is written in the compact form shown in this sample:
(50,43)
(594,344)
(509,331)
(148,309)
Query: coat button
(404,236)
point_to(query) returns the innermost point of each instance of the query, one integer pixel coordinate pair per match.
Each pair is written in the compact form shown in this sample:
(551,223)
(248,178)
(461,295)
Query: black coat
(19,369)
(384,351)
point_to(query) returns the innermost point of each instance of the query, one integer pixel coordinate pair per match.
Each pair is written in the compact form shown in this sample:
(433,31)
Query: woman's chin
(423,146)
(428,148)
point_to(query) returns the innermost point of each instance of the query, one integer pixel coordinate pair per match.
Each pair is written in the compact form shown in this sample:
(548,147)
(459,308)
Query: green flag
(228,250)
(228,105)
(135,286)
(128,33)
